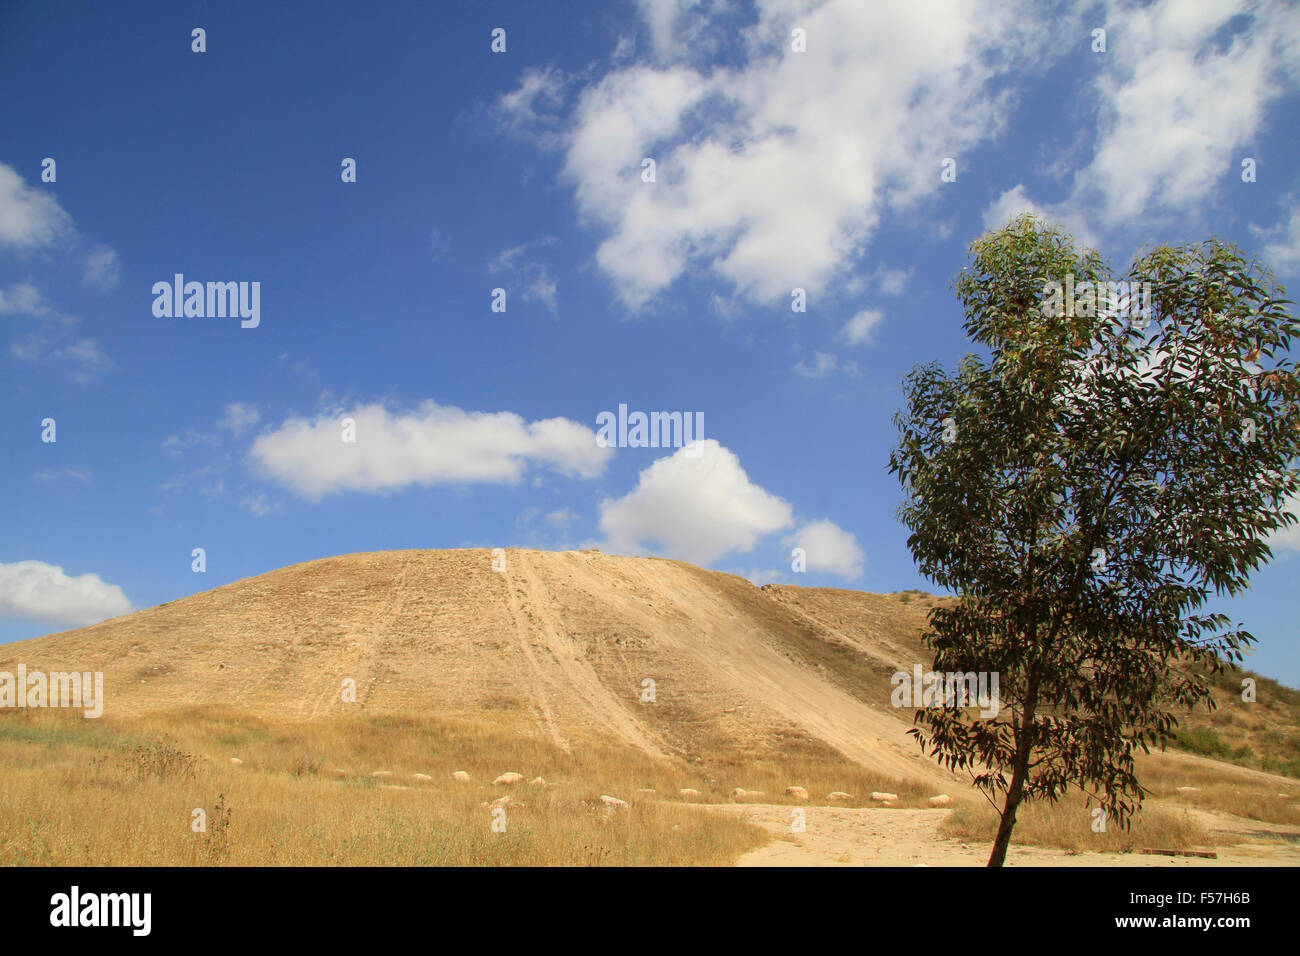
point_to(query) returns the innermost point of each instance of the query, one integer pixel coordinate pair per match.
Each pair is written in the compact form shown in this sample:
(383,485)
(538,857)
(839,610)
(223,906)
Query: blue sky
(776,169)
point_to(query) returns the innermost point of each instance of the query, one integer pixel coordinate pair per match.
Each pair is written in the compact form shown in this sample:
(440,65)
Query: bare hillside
(564,640)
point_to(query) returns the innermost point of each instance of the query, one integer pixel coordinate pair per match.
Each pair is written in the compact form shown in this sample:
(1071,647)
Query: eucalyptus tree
(1119,454)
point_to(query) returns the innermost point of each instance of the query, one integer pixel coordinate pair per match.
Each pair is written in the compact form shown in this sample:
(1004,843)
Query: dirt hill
(564,640)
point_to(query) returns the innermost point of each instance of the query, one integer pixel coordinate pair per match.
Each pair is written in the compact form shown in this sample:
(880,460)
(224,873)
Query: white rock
(460,775)
(880,795)
(382,773)
(940,800)
(537,782)
(839,795)
(509,779)
(612,802)
(421,776)
(799,793)
(236,761)
(688,792)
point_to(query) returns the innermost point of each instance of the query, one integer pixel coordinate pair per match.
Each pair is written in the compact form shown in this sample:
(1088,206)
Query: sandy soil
(838,836)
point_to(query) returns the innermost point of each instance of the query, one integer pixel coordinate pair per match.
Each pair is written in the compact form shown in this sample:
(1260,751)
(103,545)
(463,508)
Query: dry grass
(95,793)
(1067,825)
(1222,788)
(1173,786)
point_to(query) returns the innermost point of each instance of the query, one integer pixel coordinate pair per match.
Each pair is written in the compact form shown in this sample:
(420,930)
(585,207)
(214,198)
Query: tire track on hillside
(367,646)
(744,659)
(578,678)
(524,633)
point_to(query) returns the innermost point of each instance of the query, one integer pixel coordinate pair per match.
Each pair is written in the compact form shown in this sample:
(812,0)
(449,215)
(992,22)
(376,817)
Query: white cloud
(21,298)
(53,338)
(1288,539)
(1009,205)
(859,329)
(174,446)
(1015,201)
(34,590)
(824,363)
(1282,253)
(892,281)
(760,576)
(84,359)
(1180,99)
(530,110)
(696,509)
(773,173)
(1178,104)
(535,281)
(101,268)
(429,445)
(258,507)
(30,217)
(58,474)
(440,244)
(239,417)
(53,341)
(829,548)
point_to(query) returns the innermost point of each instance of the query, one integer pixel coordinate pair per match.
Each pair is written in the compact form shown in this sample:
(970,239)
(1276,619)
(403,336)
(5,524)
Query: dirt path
(838,836)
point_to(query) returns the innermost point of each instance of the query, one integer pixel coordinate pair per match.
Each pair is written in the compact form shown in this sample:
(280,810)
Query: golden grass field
(82,792)
(228,702)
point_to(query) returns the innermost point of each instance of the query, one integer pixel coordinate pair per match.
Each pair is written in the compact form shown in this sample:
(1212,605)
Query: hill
(565,640)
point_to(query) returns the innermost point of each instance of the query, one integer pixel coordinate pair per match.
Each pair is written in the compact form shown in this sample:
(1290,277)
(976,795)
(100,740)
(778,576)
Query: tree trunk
(1019,774)
(1008,822)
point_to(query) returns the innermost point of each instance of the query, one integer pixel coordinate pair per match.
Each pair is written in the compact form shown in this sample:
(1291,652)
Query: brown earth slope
(565,640)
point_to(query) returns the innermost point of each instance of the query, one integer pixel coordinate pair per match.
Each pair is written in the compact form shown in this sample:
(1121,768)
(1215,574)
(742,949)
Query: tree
(1083,490)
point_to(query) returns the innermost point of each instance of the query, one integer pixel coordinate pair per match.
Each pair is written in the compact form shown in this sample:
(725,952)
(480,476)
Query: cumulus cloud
(36,591)
(774,171)
(693,508)
(29,216)
(1187,87)
(431,444)
(829,548)
(1015,201)
(1009,205)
